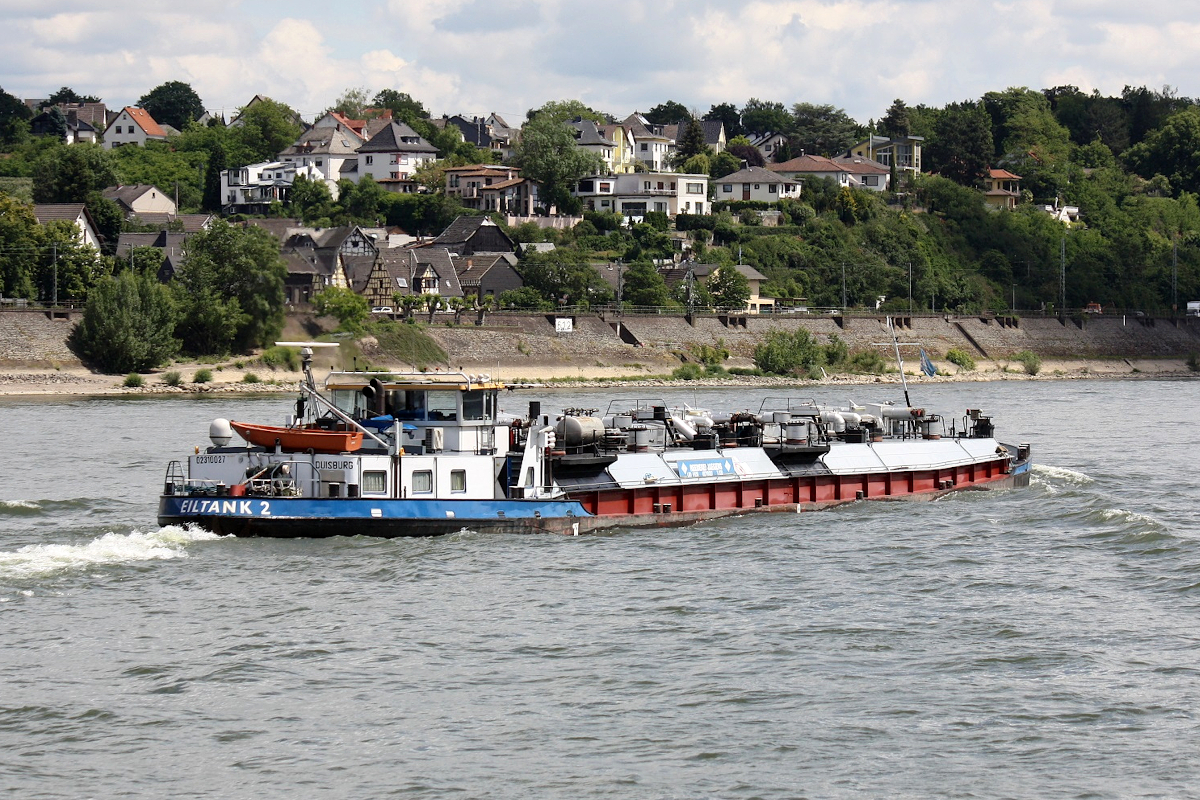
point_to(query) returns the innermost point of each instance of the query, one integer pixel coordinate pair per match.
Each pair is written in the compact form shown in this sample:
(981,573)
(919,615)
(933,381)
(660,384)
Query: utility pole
(910,287)
(1013,308)
(843,286)
(54,252)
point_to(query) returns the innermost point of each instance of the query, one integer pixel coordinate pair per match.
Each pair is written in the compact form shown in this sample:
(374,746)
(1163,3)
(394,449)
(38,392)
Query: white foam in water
(111,548)
(1061,474)
(18,504)
(1121,515)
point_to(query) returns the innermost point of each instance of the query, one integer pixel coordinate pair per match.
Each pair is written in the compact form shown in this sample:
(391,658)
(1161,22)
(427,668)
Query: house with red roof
(133,126)
(1003,189)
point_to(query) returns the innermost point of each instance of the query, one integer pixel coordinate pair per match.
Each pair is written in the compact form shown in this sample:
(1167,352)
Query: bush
(202,376)
(836,352)
(688,372)
(172,378)
(1030,361)
(961,358)
(868,361)
(280,357)
(133,380)
(788,353)
(250,377)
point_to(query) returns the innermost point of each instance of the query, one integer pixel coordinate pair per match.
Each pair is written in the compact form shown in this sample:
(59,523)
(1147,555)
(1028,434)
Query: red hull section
(790,493)
(315,439)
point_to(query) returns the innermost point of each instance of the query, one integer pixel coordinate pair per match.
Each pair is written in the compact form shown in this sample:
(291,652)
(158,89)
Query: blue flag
(927,366)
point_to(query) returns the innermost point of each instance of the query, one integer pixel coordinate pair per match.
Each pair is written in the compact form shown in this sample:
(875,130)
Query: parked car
(381,310)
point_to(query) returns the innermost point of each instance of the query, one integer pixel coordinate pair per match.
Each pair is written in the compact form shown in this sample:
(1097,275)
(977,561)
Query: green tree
(68,95)
(725,163)
(644,286)
(164,166)
(691,142)
(783,353)
(668,113)
(401,104)
(58,123)
(108,218)
(309,200)
(173,103)
(263,130)
(1172,151)
(14,118)
(68,174)
(20,244)
(217,164)
(352,104)
(961,148)
(822,130)
(763,116)
(730,289)
(230,287)
(548,156)
(525,297)
(128,325)
(896,122)
(348,307)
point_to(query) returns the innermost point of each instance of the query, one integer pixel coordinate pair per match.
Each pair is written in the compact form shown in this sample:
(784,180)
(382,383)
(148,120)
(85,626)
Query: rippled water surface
(1030,644)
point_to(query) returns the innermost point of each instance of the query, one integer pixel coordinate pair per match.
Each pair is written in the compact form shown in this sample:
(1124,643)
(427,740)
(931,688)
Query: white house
(140,198)
(650,143)
(636,194)
(132,126)
(769,144)
(756,183)
(75,213)
(393,155)
(331,149)
(253,188)
(851,171)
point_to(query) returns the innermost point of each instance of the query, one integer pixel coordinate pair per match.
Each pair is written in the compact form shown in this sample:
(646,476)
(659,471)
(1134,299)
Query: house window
(772,189)
(374,482)
(644,147)
(756,186)
(871,180)
(422,481)
(118,129)
(695,188)
(402,283)
(370,159)
(727,187)
(646,185)
(318,162)
(672,186)
(458,480)
(606,187)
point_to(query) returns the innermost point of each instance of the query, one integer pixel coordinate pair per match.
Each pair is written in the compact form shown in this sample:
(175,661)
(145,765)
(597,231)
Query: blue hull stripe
(267,508)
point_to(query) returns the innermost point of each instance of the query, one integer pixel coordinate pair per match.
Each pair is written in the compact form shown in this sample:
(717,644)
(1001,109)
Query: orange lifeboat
(297,439)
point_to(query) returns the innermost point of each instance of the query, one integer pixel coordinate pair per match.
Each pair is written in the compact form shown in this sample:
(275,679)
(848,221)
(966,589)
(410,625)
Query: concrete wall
(32,338)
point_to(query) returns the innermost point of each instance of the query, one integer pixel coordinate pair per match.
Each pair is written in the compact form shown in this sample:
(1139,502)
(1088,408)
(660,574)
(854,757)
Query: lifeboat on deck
(316,439)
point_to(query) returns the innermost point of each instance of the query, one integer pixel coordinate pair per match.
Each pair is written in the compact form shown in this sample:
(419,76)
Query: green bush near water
(961,358)
(1029,361)
(202,376)
(172,378)
(280,357)
(133,381)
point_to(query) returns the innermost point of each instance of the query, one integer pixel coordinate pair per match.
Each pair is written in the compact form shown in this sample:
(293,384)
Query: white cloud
(474,56)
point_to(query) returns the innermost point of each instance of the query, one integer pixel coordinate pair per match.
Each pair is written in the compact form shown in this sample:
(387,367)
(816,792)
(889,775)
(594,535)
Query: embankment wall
(29,338)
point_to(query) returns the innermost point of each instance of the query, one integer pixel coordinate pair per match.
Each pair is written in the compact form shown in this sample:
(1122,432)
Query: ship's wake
(111,548)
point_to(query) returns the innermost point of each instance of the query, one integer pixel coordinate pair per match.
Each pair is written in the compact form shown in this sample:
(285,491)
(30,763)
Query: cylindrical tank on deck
(580,431)
(641,438)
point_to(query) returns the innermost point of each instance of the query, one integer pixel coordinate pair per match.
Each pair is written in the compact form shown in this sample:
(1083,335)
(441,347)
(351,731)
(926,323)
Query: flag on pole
(927,366)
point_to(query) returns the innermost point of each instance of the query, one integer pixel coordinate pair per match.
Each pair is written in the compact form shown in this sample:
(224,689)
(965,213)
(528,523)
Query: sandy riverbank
(74,381)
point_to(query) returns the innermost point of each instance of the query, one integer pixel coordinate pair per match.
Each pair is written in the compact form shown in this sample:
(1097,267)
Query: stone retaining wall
(33,338)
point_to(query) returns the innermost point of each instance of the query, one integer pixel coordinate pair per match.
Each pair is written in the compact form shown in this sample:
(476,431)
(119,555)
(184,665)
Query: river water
(1040,643)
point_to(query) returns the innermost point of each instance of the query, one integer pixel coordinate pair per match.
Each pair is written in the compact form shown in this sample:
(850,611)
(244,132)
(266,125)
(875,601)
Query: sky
(474,57)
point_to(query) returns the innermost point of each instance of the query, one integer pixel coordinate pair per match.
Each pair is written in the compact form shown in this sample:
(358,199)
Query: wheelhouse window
(422,481)
(458,480)
(442,405)
(374,482)
(479,404)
